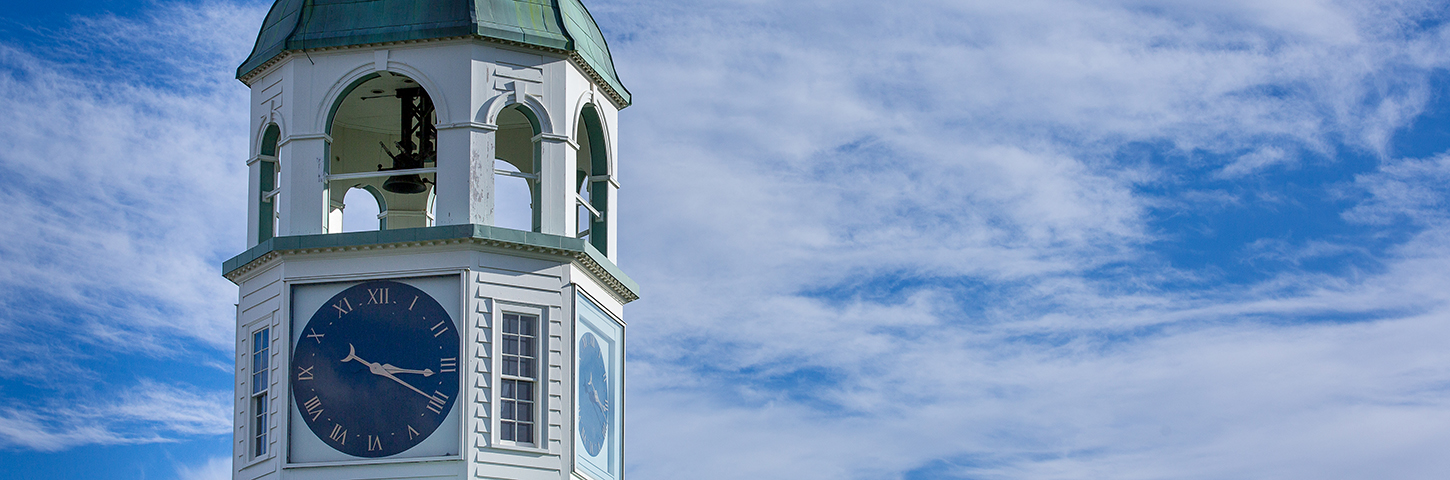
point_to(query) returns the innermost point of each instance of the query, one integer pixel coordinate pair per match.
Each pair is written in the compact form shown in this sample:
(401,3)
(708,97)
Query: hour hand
(391,369)
(380,370)
(594,395)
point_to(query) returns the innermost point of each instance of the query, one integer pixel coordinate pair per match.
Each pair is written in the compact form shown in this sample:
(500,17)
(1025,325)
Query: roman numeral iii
(435,402)
(448,365)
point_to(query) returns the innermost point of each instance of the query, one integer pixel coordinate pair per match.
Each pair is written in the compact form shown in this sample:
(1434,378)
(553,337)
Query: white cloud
(123,163)
(1254,161)
(891,237)
(215,468)
(1409,189)
(148,412)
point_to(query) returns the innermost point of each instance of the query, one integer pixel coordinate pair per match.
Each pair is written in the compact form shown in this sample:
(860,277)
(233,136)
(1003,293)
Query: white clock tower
(473,328)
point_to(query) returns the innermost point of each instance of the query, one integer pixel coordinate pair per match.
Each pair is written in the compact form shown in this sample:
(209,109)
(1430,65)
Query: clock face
(593,395)
(375,370)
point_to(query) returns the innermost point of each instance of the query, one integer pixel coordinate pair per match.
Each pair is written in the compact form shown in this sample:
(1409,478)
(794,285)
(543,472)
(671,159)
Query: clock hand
(594,395)
(378,370)
(391,369)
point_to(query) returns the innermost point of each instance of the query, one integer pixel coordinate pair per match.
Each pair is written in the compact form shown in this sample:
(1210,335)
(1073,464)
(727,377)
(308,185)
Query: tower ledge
(572,249)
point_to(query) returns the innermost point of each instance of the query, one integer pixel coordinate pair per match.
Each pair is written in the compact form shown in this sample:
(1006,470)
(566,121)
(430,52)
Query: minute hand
(378,370)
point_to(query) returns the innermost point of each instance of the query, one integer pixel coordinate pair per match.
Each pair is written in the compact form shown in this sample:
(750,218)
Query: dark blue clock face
(375,370)
(593,395)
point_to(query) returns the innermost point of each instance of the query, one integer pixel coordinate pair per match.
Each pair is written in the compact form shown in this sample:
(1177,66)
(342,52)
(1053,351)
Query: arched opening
(592,181)
(362,207)
(516,170)
(267,184)
(384,142)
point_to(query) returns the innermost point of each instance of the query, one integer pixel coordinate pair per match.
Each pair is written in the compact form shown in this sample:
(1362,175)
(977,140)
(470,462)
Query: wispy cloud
(145,413)
(215,468)
(926,238)
(122,162)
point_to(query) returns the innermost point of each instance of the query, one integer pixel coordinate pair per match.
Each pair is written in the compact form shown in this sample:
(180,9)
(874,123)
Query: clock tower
(470,323)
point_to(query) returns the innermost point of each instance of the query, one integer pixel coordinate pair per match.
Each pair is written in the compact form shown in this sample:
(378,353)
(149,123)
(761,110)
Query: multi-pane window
(519,377)
(261,365)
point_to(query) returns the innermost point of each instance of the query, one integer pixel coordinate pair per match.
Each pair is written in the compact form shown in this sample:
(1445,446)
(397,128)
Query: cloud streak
(148,412)
(926,240)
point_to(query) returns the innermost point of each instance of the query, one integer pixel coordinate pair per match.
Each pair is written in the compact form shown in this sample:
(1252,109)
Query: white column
(611,220)
(254,200)
(465,175)
(302,205)
(558,209)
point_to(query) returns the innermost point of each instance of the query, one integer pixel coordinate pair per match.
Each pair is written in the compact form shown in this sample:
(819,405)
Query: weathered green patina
(553,24)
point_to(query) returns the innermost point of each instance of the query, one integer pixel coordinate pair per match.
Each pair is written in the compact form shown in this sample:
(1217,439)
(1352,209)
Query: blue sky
(929,239)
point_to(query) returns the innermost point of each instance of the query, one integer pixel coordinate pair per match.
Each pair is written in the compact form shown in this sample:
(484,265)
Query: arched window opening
(513,198)
(384,140)
(592,181)
(516,168)
(267,184)
(361,210)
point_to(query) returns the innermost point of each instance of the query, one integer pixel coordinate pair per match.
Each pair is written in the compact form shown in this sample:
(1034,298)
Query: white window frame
(259,420)
(539,381)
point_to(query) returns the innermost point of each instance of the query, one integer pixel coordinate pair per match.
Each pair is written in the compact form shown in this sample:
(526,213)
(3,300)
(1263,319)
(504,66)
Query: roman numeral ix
(305,373)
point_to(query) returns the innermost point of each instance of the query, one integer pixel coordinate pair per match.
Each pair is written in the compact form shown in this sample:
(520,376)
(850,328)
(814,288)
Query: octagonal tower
(470,324)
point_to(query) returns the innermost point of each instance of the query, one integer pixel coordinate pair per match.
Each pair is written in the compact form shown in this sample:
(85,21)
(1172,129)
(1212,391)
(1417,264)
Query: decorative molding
(573,57)
(556,138)
(300,137)
(596,264)
(474,125)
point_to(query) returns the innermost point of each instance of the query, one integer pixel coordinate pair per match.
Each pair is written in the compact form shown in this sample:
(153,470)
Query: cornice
(574,58)
(577,251)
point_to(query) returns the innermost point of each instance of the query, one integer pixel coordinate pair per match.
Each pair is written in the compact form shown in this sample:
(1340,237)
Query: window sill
(518,447)
(258,461)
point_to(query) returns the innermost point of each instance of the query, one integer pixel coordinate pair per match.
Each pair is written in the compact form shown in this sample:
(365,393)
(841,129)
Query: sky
(923,239)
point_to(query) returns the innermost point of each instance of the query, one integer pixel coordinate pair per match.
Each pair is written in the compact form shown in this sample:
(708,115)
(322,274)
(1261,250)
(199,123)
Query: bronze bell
(408,184)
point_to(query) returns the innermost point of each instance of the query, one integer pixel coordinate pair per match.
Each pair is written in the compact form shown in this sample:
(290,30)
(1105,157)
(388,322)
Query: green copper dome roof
(555,24)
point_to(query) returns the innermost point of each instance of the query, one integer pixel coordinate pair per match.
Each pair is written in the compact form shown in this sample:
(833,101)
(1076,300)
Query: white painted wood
(470,82)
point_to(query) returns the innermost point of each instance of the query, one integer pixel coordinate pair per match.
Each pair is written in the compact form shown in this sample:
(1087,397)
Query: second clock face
(593,395)
(375,370)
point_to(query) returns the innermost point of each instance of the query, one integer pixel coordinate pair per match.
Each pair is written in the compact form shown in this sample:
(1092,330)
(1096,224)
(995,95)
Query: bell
(408,184)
